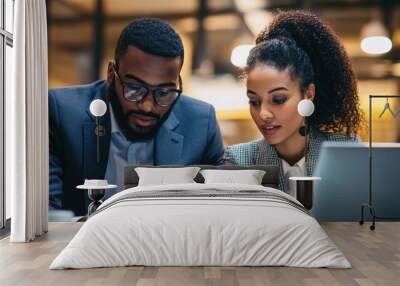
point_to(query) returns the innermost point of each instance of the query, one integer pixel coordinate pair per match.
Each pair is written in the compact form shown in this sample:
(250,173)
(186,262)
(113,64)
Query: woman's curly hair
(336,100)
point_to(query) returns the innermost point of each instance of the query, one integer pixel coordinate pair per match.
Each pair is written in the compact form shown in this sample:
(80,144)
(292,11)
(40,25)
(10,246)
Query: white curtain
(27,124)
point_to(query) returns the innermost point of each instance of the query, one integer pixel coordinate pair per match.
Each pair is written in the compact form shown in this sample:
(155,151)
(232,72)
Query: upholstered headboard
(270,178)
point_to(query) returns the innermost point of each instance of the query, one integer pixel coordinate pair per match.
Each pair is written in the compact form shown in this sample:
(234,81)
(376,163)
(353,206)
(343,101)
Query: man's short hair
(152,36)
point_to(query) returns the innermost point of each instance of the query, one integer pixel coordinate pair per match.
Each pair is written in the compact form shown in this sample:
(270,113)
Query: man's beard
(132,131)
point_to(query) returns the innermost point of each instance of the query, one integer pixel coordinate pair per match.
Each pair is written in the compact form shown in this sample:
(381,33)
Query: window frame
(6,39)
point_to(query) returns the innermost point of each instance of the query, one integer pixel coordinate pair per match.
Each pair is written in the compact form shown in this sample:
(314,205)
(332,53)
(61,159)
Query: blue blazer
(190,135)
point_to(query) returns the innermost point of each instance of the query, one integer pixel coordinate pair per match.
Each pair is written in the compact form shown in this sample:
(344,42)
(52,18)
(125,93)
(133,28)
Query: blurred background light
(375,38)
(396,69)
(250,5)
(257,20)
(376,45)
(239,55)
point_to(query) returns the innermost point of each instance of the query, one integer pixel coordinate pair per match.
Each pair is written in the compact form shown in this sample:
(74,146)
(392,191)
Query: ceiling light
(375,38)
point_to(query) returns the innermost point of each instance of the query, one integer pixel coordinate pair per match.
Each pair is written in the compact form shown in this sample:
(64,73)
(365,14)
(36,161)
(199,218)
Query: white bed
(201,224)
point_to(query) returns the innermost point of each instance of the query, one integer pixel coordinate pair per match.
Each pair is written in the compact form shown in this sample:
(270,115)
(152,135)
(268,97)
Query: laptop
(343,168)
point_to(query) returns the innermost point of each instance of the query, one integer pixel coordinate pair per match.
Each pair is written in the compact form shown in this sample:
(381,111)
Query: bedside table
(96,192)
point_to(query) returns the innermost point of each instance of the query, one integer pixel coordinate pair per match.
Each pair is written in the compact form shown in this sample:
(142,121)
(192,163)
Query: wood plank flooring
(375,257)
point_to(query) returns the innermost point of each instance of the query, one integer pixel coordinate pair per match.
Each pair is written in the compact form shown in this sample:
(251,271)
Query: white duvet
(269,228)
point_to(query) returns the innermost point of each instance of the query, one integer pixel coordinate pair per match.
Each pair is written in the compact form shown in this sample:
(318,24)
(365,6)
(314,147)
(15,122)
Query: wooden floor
(375,256)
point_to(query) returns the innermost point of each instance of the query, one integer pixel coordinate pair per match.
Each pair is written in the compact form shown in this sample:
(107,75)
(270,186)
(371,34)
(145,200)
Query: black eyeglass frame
(148,88)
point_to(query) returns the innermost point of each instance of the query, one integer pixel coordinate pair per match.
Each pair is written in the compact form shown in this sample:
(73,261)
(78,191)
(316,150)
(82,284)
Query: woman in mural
(297,57)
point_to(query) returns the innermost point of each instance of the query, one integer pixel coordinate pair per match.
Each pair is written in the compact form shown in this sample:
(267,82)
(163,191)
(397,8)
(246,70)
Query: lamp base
(96,196)
(371,211)
(305,193)
(305,190)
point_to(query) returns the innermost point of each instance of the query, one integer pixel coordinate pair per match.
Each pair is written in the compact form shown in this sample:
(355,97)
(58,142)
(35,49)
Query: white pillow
(166,176)
(248,177)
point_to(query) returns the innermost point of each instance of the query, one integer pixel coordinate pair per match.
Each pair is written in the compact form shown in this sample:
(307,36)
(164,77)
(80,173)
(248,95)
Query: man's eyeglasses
(136,92)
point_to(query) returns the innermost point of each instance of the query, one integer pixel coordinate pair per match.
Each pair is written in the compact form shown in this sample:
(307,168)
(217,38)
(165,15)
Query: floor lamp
(369,205)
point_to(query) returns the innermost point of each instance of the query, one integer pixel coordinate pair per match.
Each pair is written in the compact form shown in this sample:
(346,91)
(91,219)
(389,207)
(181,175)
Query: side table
(96,192)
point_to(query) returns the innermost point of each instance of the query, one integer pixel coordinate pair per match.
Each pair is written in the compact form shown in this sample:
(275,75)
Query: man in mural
(148,120)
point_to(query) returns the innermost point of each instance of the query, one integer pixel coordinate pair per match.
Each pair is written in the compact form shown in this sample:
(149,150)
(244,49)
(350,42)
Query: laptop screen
(344,169)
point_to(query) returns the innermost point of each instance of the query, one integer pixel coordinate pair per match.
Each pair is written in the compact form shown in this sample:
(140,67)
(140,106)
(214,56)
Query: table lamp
(304,185)
(98,108)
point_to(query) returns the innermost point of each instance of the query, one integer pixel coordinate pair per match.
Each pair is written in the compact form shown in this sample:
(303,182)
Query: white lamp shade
(98,107)
(375,38)
(305,107)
